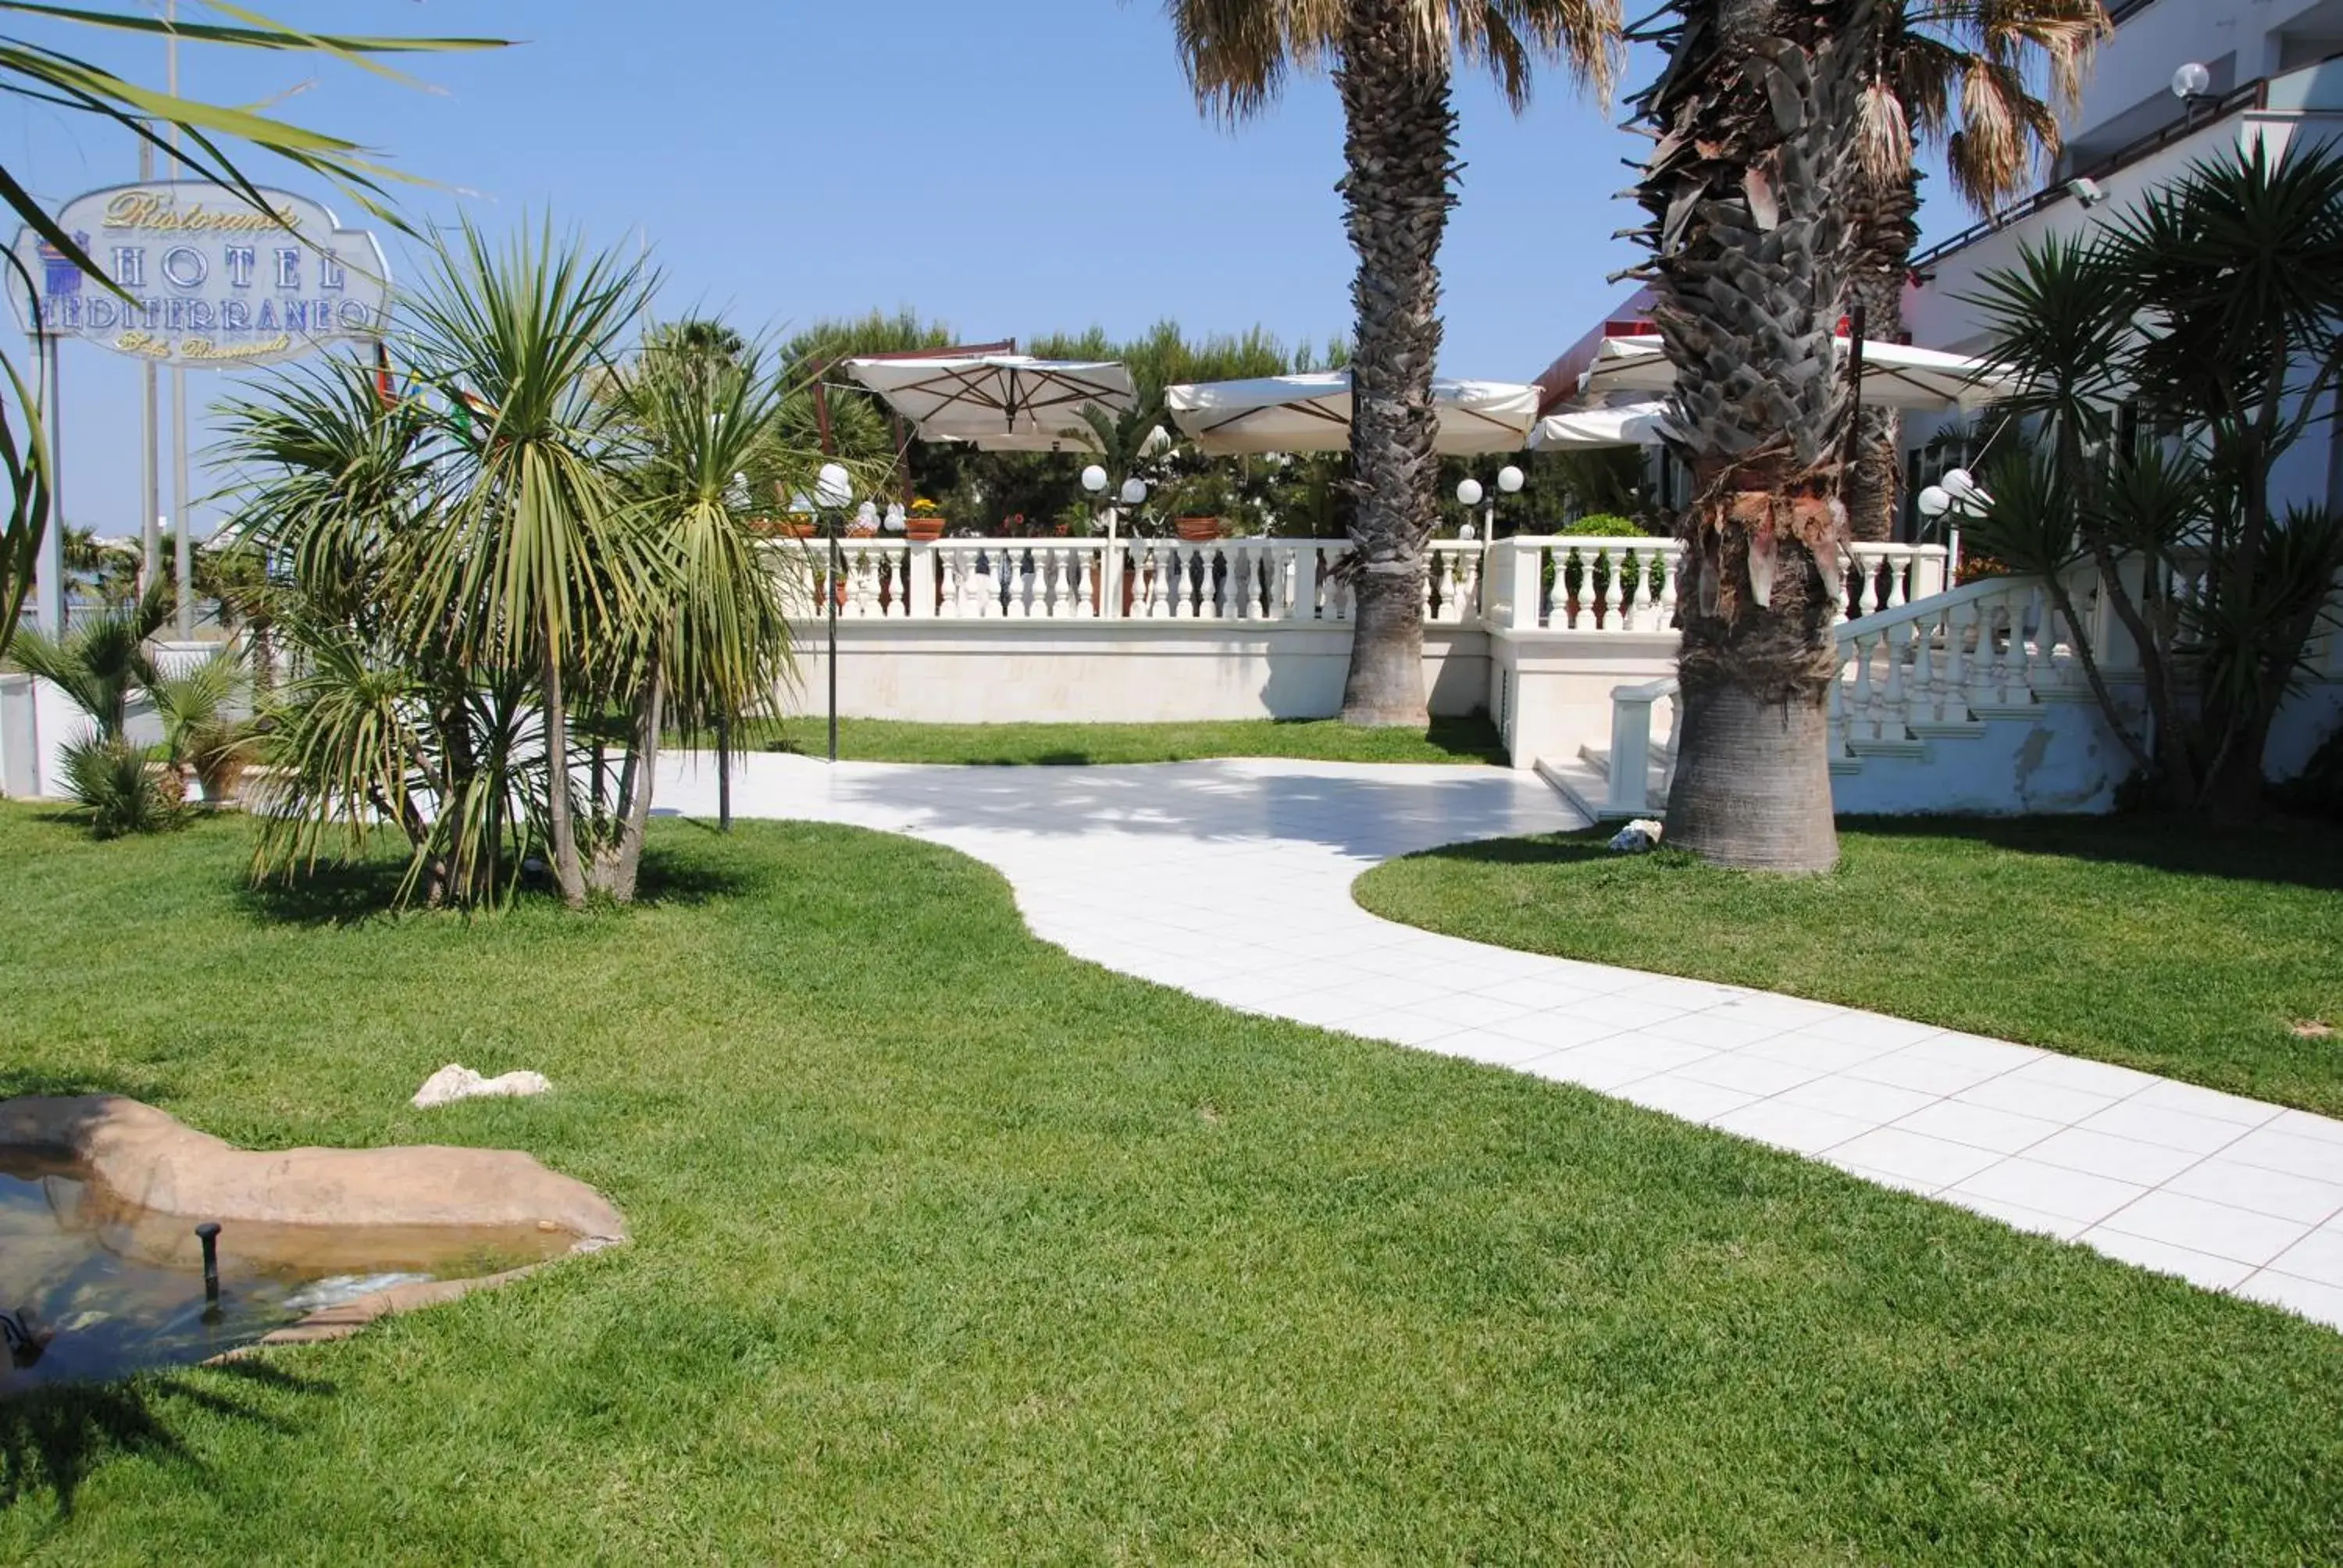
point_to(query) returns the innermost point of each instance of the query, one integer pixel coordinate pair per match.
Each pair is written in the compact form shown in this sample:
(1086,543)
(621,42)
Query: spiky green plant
(100,662)
(121,788)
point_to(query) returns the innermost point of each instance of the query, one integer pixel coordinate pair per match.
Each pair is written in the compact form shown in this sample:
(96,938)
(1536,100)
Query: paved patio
(1231,881)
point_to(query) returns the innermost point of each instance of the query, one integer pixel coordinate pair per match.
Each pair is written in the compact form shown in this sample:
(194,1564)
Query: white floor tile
(1750,1074)
(1559,1030)
(1792,1127)
(2089,1076)
(2203,1226)
(1991,1056)
(2261,1190)
(1807,1050)
(2014,1214)
(2197,1268)
(1707,1028)
(1979,1127)
(1908,1069)
(2049,1190)
(1593,1067)
(2303,1124)
(2304,1298)
(2189,1097)
(2186,1130)
(1866,1101)
(1625,1013)
(2039,1101)
(1872,1029)
(2288,1151)
(2318,1256)
(1686,1097)
(1471,1011)
(2097,1154)
(1930,1161)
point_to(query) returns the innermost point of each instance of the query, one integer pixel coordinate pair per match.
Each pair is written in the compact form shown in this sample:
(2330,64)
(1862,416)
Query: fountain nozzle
(208,1234)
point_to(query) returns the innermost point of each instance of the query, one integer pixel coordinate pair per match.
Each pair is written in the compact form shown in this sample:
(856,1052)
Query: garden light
(1469,492)
(1133,492)
(1509,479)
(2191,81)
(1093,478)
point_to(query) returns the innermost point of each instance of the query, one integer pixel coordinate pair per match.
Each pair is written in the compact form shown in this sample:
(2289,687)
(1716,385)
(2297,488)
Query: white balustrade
(1555,583)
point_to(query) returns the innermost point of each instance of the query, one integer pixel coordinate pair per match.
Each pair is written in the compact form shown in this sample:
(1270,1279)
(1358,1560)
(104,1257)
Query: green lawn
(953,1249)
(1466,740)
(2158,944)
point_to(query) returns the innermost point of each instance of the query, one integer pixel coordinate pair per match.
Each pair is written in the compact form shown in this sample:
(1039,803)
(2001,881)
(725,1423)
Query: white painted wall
(1550,693)
(1136,672)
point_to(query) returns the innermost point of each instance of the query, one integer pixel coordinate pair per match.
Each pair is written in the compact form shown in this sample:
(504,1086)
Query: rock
(1638,835)
(456,1081)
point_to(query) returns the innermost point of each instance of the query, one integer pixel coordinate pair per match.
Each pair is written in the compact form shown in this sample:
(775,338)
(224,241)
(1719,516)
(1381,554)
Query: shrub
(125,789)
(1603,525)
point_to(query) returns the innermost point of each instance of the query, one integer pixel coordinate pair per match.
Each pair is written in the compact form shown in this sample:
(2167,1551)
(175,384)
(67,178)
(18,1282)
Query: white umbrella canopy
(1311,413)
(1894,375)
(1578,429)
(1002,402)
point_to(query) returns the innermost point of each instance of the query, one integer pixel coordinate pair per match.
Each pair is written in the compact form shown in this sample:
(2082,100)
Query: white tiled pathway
(1231,881)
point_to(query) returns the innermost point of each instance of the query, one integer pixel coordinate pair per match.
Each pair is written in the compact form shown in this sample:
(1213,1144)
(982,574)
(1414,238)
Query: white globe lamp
(1469,492)
(1093,478)
(1133,492)
(1509,479)
(2191,81)
(1935,502)
(1960,485)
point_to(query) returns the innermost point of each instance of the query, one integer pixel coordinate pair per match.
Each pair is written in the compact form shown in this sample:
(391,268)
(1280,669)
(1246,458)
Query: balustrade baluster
(1838,711)
(1895,715)
(1956,679)
(1863,707)
(1926,701)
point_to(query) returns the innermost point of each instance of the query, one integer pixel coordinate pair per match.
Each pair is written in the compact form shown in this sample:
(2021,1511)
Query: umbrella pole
(830,592)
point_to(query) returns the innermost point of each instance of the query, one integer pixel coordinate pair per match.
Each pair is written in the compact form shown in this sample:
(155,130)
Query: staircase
(1967,700)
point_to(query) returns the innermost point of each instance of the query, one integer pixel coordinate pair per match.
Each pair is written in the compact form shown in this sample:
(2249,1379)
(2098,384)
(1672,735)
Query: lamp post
(1955,496)
(1133,492)
(1469,493)
(833,491)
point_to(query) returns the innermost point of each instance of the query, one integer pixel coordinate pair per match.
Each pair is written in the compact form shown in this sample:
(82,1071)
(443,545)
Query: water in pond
(91,1288)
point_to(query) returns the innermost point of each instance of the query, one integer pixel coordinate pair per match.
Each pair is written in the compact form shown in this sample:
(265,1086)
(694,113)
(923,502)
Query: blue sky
(1011,168)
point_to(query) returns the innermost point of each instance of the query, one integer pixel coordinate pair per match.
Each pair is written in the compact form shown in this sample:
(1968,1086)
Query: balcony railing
(1545,583)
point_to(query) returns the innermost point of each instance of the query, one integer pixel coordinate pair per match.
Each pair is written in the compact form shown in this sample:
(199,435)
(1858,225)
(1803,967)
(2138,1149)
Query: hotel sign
(212,281)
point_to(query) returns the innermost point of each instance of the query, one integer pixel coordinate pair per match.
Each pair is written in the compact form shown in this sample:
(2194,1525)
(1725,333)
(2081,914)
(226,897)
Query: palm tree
(101,661)
(1746,192)
(715,636)
(535,561)
(1958,75)
(1391,62)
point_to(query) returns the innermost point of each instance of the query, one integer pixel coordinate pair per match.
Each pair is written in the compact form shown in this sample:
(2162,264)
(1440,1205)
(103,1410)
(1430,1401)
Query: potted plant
(925,522)
(1201,504)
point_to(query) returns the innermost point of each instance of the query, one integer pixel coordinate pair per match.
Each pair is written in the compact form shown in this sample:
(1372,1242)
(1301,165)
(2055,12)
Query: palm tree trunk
(1747,190)
(1886,236)
(1400,130)
(568,874)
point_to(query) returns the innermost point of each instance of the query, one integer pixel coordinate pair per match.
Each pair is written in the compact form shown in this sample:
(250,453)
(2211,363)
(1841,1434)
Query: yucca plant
(533,559)
(2216,307)
(700,415)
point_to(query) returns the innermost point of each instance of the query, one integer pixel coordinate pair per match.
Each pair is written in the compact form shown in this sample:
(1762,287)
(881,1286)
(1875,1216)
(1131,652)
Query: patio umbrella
(1311,413)
(1578,429)
(1894,375)
(1002,402)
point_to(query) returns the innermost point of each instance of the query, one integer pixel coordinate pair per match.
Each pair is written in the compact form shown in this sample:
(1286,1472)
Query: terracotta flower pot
(924,530)
(1199,530)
